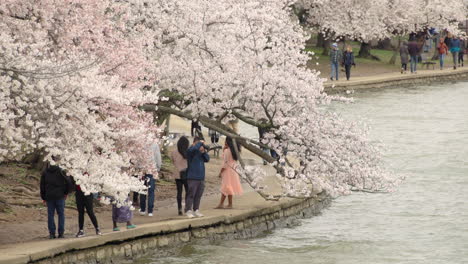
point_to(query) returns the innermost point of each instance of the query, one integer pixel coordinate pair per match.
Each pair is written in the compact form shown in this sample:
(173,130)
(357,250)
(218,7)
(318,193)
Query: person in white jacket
(150,182)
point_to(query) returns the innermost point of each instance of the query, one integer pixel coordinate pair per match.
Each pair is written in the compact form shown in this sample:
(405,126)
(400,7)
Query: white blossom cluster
(369,19)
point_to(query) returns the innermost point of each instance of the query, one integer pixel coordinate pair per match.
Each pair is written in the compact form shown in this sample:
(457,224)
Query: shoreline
(166,236)
(396,79)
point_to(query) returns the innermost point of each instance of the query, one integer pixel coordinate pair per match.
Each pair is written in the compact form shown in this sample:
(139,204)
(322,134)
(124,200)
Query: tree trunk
(364,52)
(326,47)
(324,43)
(320,40)
(385,44)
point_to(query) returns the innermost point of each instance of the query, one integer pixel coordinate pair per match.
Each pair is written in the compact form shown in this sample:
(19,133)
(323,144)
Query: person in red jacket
(443,51)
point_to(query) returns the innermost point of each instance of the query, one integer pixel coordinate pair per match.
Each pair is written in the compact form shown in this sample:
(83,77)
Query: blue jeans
(152,186)
(334,70)
(414,63)
(441,60)
(455,59)
(59,206)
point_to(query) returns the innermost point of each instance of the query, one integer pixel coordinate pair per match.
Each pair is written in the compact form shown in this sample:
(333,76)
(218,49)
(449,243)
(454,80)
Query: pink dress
(230,182)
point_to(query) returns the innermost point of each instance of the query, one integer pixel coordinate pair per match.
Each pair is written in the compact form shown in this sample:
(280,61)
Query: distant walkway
(397,79)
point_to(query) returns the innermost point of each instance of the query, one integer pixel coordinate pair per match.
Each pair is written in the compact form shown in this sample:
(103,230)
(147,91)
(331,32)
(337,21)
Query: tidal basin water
(425,130)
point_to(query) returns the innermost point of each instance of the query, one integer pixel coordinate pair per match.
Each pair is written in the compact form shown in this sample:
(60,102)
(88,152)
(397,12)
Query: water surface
(425,130)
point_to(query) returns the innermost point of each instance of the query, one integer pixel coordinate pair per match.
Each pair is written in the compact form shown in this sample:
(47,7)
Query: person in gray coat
(404,56)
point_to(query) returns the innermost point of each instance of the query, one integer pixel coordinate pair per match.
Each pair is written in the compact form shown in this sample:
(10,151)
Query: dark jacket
(54,184)
(454,45)
(196,162)
(348,58)
(413,48)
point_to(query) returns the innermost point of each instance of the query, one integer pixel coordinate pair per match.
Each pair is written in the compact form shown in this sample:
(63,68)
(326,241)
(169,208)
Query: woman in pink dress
(230,182)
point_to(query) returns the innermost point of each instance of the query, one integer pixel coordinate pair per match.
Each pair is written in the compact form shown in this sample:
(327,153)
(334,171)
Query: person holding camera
(179,158)
(197,155)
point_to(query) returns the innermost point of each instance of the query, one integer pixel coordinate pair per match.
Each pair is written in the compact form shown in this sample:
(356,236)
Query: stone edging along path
(397,80)
(164,237)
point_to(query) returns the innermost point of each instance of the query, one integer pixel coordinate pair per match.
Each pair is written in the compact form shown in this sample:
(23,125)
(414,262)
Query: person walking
(443,51)
(230,181)
(54,188)
(122,214)
(404,56)
(335,58)
(348,61)
(455,49)
(179,158)
(150,182)
(462,52)
(195,129)
(83,202)
(196,158)
(413,51)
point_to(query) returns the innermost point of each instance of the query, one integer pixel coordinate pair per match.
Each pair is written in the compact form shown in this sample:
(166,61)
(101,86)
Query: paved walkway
(389,79)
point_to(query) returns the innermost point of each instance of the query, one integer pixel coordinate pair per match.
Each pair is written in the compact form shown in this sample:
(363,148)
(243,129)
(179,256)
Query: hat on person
(335,45)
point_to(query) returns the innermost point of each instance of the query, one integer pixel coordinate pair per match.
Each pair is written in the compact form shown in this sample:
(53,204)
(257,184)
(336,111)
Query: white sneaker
(150,214)
(142,213)
(189,214)
(198,214)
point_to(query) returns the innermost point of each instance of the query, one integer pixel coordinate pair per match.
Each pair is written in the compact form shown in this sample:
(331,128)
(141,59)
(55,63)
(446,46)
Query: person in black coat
(54,186)
(348,61)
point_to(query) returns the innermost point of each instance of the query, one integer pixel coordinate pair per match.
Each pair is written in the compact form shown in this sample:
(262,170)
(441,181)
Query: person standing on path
(443,50)
(196,158)
(413,51)
(348,61)
(54,187)
(83,202)
(335,58)
(455,49)
(230,182)
(150,182)
(462,52)
(404,56)
(179,158)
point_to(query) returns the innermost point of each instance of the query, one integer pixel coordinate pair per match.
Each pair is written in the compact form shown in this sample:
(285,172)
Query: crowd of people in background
(410,53)
(189,175)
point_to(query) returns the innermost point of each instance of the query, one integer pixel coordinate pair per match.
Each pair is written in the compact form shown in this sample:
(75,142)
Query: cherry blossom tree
(366,19)
(245,60)
(71,74)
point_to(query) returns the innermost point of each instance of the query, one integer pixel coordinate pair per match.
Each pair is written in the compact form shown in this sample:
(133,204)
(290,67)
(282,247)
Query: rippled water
(425,130)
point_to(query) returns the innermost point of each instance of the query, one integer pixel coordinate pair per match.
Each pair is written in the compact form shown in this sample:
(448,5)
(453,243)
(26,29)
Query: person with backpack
(179,158)
(348,61)
(230,181)
(54,188)
(443,50)
(83,202)
(455,49)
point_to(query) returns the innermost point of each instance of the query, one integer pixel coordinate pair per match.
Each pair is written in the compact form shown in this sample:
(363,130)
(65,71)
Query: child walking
(122,214)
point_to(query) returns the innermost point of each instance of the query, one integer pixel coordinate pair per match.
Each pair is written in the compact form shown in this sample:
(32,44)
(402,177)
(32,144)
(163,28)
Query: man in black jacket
(54,189)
